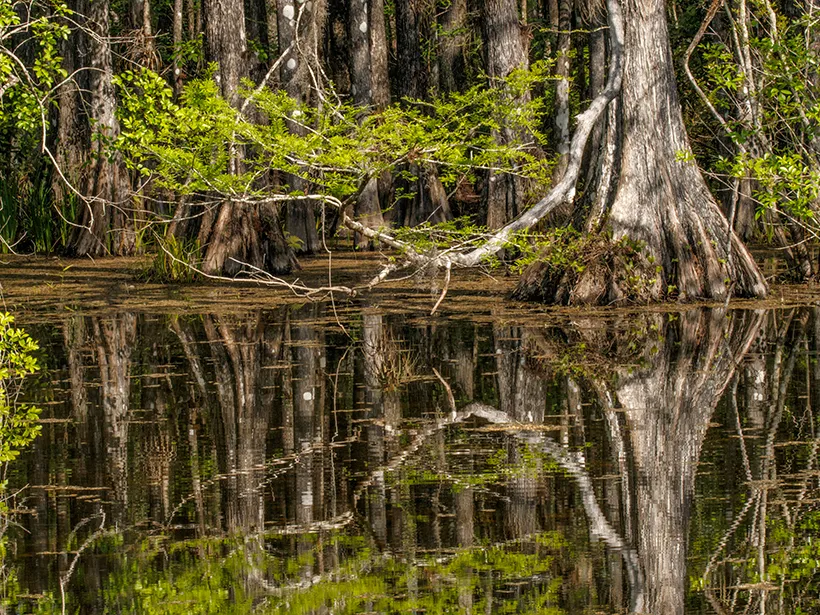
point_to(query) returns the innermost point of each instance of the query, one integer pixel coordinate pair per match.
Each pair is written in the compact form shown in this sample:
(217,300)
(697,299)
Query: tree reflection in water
(269,462)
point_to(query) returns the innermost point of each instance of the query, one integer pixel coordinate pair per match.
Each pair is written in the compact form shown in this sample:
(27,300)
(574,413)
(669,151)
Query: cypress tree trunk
(367,208)
(177,26)
(379,76)
(452,77)
(256,25)
(105,219)
(300,27)
(562,74)
(413,80)
(661,199)
(503,193)
(68,140)
(239,233)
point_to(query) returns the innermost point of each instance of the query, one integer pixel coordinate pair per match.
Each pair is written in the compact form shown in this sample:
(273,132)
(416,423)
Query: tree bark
(562,75)
(300,27)
(69,137)
(240,233)
(105,219)
(177,25)
(504,192)
(256,25)
(452,60)
(428,202)
(367,208)
(661,200)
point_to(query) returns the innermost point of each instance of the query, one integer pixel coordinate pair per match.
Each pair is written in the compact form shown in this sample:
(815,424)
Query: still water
(301,461)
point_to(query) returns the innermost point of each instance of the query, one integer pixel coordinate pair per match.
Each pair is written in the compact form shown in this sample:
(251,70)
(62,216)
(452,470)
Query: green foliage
(26,202)
(30,67)
(175,261)
(428,237)
(18,421)
(797,562)
(228,575)
(568,252)
(772,117)
(332,147)
(26,86)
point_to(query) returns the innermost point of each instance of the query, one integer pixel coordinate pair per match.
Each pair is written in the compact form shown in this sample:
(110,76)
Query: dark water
(272,462)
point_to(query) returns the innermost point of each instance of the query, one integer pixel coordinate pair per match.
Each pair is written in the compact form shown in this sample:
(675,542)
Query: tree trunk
(379,75)
(68,140)
(503,192)
(603,144)
(240,233)
(140,41)
(177,46)
(413,83)
(428,202)
(300,29)
(562,75)
(661,201)
(225,44)
(367,208)
(256,25)
(105,219)
(452,60)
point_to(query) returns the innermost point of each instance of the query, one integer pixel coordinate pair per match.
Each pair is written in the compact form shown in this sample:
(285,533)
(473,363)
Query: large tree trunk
(503,193)
(661,200)
(240,233)
(300,28)
(105,219)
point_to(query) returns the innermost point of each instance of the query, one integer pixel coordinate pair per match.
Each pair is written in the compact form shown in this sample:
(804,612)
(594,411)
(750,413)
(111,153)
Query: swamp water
(275,462)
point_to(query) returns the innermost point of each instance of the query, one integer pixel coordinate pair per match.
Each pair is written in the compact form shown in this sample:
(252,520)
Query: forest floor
(39,287)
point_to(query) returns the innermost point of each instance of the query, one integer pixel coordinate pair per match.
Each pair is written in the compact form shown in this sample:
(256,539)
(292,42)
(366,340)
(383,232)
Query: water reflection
(275,462)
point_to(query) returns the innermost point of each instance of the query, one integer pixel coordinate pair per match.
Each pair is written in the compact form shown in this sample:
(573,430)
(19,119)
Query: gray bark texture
(505,52)
(452,59)
(105,218)
(239,233)
(301,26)
(661,199)
(379,75)
(367,208)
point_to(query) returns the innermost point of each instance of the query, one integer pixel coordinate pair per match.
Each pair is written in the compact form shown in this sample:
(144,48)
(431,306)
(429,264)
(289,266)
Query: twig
(450,398)
(67,576)
(447,267)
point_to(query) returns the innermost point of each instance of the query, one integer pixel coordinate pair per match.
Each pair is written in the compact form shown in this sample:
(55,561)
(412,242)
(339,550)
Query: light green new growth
(18,421)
